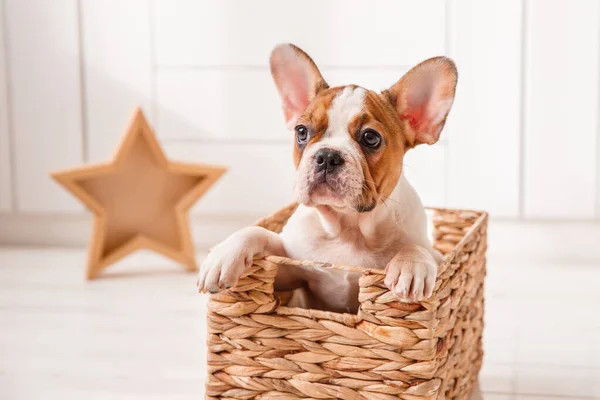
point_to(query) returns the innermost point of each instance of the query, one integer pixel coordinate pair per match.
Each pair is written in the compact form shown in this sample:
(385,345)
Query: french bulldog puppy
(356,206)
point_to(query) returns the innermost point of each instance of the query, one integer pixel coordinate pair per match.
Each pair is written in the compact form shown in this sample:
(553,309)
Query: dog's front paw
(411,274)
(226,263)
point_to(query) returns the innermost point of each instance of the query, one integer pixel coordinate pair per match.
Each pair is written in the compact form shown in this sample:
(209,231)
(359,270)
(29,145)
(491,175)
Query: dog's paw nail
(224,285)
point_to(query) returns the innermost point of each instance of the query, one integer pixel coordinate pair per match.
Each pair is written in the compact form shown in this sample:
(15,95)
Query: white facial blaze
(346,106)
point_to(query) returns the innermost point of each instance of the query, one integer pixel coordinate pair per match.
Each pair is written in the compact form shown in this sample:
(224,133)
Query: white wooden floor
(140,335)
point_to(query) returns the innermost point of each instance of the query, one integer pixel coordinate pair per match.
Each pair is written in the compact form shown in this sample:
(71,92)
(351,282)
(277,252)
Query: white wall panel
(43,52)
(5,172)
(259,179)
(424,168)
(218,104)
(483,130)
(230,104)
(562,108)
(334,32)
(117,71)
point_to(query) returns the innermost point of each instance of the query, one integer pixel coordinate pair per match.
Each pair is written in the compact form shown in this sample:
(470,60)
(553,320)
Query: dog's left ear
(423,98)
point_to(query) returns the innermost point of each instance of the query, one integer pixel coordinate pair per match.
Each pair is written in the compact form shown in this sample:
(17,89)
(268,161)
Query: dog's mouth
(324,183)
(328,189)
(325,188)
(324,178)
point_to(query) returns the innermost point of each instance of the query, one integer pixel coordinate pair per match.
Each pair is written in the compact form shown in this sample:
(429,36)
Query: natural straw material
(259,349)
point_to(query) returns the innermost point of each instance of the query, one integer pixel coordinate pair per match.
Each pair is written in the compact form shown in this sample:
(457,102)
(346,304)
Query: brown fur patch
(385,165)
(316,119)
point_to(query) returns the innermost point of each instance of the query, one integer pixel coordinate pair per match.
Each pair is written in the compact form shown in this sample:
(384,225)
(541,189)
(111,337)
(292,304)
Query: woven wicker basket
(260,349)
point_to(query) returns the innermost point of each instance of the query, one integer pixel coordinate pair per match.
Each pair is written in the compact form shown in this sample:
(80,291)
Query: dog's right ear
(297,78)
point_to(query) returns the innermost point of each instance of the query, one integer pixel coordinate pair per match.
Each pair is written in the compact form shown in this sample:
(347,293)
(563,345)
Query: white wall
(522,141)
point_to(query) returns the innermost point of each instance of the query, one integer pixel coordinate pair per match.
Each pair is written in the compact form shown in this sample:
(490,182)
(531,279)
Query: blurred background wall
(521,142)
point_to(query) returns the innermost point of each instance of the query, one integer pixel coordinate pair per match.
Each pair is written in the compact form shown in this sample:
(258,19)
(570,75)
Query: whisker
(386,206)
(395,201)
(368,181)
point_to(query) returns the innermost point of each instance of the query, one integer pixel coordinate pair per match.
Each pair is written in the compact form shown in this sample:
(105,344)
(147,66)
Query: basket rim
(448,257)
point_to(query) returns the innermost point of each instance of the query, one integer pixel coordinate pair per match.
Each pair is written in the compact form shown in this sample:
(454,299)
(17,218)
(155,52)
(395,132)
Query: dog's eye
(370,138)
(301,134)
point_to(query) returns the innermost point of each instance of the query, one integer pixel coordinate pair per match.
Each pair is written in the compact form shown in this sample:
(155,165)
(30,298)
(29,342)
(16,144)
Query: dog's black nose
(328,160)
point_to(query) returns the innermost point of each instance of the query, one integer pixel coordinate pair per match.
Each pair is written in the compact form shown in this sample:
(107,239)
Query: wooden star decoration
(140,199)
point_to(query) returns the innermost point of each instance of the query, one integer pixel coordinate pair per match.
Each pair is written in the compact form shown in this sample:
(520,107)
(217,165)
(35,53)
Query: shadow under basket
(260,349)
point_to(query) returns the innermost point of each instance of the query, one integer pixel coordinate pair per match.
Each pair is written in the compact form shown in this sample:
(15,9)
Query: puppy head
(350,141)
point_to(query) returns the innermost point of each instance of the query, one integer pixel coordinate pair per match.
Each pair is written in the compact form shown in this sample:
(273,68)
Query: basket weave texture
(260,349)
